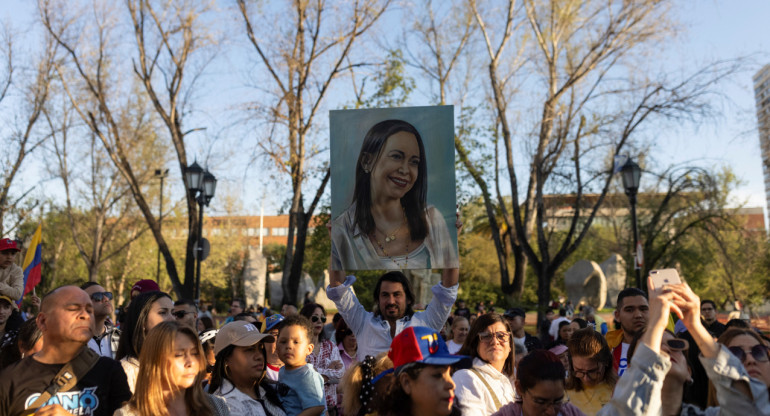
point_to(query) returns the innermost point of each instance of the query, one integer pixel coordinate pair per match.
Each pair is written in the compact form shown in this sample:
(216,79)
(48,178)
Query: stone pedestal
(255,278)
(614,269)
(585,283)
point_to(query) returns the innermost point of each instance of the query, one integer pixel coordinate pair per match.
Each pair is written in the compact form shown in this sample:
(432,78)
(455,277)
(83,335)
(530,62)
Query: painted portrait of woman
(388,223)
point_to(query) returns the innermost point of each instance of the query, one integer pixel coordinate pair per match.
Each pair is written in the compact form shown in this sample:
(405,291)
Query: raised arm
(689,303)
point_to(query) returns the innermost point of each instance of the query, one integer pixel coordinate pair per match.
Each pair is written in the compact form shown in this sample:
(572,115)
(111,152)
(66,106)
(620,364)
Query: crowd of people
(166,357)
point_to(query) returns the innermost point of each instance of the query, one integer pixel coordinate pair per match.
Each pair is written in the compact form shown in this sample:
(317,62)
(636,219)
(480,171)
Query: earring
(367,170)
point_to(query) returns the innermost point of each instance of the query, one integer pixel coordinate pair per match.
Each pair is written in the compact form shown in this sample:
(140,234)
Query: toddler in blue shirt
(303,394)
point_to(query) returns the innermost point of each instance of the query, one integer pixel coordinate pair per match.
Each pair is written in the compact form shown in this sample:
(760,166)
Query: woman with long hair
(389,224)
(591,379)
(360,396)
(325,356)
(563,334)
(145,312)
(458,334)
(659,358)
(239,373)
(170,373)
(486,387)
(540,388)
(421,383)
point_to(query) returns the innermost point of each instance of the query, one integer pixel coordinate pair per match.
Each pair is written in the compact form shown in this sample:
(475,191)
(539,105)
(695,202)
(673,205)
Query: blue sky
(712,30)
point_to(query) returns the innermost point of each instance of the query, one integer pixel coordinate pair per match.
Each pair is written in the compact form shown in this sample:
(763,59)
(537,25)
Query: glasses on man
(180,314)
(590,374)
(316,318)
(99,296)
(759,352)
(501,336)
(557,404)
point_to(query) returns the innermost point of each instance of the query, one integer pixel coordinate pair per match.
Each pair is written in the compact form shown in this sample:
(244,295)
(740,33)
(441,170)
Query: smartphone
(662,277)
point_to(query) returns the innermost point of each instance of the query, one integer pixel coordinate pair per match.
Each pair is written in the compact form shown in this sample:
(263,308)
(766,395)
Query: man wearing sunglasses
(106,336)
(186,313)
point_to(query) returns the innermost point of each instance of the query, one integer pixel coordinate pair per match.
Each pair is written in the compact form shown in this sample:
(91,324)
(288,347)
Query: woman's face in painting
(395,172)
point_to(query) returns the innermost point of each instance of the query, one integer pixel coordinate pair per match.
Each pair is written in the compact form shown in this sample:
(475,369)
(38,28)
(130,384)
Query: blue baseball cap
(419,344)
(272,320)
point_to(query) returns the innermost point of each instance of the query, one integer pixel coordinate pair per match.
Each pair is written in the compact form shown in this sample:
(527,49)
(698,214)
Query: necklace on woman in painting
(392,236)
(385,252)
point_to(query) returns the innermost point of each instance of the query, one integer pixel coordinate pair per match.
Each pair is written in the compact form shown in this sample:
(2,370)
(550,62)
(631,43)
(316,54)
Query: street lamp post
(631,173)
(160,174)
(202,184)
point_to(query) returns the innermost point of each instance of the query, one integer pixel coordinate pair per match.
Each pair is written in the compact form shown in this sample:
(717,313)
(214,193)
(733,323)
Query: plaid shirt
(327,354)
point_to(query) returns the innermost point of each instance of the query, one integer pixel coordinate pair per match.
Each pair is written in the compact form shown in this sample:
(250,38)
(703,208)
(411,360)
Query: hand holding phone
(663,277)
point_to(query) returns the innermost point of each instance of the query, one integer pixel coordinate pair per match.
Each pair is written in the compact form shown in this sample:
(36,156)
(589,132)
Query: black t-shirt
(101,391)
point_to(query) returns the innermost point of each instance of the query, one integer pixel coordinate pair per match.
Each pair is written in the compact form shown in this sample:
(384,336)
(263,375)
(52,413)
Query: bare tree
(98,228)
(169,35)
(582,118)
(92,84)
(302,64)
(21,138)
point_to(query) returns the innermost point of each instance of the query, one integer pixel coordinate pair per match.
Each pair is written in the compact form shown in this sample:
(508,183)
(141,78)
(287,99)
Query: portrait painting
(393,189)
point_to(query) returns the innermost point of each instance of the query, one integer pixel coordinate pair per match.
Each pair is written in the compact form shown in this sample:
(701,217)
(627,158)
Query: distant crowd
(166,357)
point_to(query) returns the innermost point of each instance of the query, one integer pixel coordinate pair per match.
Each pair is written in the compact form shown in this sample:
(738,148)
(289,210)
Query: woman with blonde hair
(591,379)
(171,369)
(359,395)
(457,334)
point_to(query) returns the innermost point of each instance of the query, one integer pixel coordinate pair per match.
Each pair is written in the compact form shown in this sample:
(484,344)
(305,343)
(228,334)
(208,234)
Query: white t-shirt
(453,347)
(623,366)
(520,341)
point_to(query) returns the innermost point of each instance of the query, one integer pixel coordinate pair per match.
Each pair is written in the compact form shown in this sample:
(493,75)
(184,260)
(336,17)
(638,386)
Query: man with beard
(632,312)
(106,336)
(393,300)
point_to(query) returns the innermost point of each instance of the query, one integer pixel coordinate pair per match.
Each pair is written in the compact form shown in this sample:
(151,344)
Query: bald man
(66,320)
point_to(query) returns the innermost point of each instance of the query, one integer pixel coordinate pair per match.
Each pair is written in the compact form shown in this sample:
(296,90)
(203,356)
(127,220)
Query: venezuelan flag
(32,261)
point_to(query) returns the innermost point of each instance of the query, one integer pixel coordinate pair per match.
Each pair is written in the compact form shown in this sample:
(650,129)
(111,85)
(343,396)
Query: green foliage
(393,85)
(319,245)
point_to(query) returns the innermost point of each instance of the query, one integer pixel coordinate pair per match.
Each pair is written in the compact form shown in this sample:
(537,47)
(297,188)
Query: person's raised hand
(661,304)
(688,303)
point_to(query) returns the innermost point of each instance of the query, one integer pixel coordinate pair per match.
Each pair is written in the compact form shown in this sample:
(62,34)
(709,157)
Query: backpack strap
(66,378)
(489,388)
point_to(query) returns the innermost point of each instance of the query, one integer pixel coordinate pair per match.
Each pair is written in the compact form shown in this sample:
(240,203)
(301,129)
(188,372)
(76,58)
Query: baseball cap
(514,312)
(558,349)
(239,333)
(146,285)
(419,344)
(272,320)
(8,244)
(9,300)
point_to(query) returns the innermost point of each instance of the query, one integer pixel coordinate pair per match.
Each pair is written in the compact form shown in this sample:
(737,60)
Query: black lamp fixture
(631,173)
(202,184)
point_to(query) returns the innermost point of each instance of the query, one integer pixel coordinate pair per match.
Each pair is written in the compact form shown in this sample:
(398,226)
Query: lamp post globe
(631,173)
(194,175)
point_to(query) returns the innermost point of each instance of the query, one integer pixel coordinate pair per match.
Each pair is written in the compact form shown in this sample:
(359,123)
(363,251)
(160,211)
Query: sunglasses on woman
(759,352)
(501,336)
(677,344)
(99,296)
(316,318)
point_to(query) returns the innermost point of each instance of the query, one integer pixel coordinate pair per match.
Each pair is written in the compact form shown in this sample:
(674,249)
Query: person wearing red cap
(11,275)
(422,383)
(142,286)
